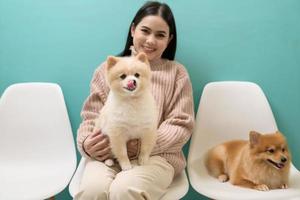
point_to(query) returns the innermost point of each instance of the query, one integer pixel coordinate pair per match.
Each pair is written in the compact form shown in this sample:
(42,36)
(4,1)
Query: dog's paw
(125,166)
(109,162)
(223,178)
(262,187)
(284,186)
(142,160)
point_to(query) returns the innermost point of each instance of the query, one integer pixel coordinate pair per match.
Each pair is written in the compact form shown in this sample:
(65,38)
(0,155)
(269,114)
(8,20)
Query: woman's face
(151,36)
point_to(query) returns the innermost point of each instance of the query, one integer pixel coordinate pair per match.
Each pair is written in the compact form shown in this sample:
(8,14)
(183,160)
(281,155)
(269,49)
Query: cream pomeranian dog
(261,163)
(130,111)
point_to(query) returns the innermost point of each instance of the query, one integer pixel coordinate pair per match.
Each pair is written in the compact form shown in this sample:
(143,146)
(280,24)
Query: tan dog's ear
(278,132)
(142,57)
(254,138)
(111,61)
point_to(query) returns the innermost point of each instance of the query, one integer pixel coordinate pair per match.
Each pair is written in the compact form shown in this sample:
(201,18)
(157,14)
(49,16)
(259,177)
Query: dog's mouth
(275,164)
(131,89)
(131,85)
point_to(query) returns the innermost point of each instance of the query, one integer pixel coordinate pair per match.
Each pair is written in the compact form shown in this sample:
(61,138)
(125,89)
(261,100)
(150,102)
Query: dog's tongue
(280,165)
(131,84)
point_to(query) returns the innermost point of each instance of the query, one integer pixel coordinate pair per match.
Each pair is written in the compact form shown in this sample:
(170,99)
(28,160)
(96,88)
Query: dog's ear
(254,138)
(111,61)
(278,132)
(280,135)
(142,57)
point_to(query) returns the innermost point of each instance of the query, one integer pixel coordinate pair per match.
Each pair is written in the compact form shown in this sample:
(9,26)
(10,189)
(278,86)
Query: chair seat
(31,182)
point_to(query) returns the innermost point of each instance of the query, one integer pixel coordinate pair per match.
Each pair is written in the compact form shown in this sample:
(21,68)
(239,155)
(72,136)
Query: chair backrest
(34,124)
(229,110)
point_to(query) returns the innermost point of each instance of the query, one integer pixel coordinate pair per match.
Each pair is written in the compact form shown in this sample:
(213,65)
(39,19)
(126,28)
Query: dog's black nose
(283,159)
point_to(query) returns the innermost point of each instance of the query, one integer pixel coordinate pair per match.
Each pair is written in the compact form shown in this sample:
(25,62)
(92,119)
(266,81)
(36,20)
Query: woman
(153,32)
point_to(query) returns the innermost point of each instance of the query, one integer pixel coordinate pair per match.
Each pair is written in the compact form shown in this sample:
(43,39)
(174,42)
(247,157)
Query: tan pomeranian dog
(261,163)
(130,111)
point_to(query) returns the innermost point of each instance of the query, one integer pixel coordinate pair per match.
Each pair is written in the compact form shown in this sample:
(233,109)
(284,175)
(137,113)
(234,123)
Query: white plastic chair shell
(37,151)
(229,110)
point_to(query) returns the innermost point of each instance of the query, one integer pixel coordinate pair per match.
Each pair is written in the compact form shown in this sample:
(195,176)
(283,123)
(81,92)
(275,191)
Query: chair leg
(51,198)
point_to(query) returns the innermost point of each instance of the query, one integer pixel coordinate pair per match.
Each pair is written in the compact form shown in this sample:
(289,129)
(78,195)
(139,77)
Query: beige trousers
(146,182)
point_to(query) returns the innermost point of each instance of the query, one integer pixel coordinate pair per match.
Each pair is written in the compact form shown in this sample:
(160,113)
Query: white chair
(227,111)
(177,190)
(37,151)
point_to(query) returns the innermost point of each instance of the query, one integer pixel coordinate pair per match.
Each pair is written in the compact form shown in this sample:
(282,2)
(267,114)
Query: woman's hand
(96,145)
(133,148)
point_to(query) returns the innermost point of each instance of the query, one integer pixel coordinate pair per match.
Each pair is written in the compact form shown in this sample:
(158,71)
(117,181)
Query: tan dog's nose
(283,159)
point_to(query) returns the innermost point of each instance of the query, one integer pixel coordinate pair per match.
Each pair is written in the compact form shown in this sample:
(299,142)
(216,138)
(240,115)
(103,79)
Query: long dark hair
(154,8)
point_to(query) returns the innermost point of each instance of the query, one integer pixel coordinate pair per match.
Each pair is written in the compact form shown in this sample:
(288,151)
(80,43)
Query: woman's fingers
(101,144)
(102,158)
(95,143)
(96,132)
(103,152)
(94,139)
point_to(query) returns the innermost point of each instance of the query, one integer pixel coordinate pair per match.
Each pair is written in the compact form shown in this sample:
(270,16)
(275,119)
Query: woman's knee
(118,189)
(92,192)
(96,181)
(94,189)
(125,189)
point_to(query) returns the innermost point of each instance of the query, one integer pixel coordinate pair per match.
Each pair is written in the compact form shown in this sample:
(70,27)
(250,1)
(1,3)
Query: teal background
(251,40)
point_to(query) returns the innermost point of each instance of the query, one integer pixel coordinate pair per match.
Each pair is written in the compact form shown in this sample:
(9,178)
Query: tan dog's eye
(123,76)
(283,149)
(270,151)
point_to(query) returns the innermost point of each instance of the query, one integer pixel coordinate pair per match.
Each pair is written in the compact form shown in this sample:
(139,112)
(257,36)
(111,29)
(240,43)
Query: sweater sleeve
(177,127)
(92,107)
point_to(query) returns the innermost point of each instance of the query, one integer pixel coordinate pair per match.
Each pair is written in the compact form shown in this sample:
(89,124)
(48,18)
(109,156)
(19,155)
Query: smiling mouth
(148,49)
(275,164)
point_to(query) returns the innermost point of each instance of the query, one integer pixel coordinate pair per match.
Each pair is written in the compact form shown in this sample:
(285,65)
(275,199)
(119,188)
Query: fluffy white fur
(130,110)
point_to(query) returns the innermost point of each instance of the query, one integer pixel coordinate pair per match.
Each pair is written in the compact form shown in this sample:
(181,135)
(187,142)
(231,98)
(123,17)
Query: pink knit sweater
(172,91)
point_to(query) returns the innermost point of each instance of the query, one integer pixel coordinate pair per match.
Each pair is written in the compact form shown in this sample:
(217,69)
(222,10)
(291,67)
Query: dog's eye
(283,149)
(137,75)
(123,76)
(270,150)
